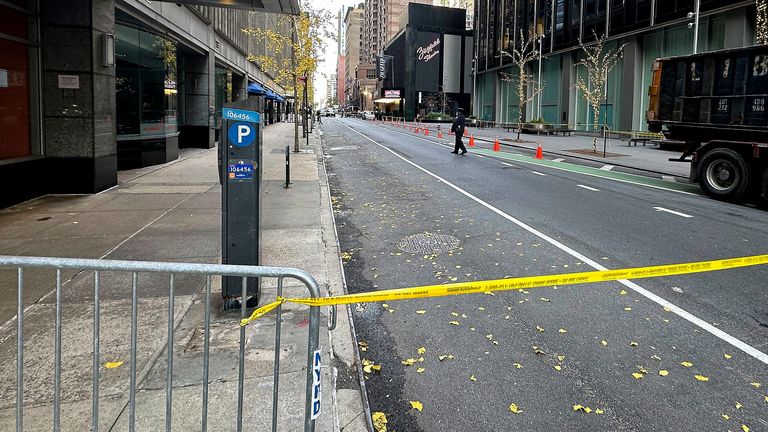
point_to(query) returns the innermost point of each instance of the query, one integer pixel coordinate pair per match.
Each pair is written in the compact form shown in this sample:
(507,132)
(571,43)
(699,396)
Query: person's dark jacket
(458,124)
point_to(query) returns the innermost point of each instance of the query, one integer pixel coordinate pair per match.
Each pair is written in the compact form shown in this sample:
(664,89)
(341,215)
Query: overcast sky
(328,62)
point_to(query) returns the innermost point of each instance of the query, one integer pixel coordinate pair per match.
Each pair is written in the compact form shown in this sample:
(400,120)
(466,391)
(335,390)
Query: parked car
(368,115)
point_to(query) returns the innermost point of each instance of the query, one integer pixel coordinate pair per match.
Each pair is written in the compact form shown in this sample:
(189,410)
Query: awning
(255,88)
(273,96)
(387,100)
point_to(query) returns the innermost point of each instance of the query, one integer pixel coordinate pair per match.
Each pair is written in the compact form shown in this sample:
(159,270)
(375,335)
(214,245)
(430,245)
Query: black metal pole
(287,166)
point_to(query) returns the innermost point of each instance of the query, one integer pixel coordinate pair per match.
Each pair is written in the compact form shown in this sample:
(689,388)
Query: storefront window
(146,90)
(19,131)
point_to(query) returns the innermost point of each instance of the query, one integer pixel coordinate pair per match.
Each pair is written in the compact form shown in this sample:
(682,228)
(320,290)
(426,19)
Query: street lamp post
(695,25)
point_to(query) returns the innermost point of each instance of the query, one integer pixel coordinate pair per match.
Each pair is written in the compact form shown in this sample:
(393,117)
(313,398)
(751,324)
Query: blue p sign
(241,134)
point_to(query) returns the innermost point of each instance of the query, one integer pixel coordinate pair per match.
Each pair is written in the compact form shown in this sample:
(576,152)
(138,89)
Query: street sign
(241,134)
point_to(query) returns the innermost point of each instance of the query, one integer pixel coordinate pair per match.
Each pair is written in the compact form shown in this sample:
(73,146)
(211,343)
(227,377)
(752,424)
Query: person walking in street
(458,131)
(319,117)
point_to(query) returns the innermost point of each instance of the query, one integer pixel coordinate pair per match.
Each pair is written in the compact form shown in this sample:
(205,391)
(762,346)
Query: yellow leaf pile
(379,421)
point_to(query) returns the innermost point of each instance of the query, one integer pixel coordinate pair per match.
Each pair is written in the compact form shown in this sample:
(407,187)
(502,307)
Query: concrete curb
(344,326)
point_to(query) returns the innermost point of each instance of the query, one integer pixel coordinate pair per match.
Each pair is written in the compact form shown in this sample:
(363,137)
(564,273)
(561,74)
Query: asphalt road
(684,353)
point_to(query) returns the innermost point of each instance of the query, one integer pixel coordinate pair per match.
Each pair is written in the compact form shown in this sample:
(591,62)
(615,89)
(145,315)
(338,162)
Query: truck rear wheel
(723,174)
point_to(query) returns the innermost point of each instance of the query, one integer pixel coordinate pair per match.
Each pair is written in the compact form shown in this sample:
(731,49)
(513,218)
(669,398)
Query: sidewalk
(172,213)
(646,158)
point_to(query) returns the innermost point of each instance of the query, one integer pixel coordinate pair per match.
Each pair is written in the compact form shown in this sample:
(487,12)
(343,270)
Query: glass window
(147,98)
(19,116)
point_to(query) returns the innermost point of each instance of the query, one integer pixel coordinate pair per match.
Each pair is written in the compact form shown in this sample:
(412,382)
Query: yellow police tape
(516,283)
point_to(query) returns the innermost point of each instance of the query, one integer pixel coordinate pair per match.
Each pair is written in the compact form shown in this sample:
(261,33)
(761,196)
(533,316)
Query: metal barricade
(173,270)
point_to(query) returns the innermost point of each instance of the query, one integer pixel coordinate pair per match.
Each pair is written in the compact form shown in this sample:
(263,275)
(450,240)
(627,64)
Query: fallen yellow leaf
(384,305)
(633,344)
(562,330)
(627,309)
(599,411)
(558,367)
(701,378)
(663,372)
(519,366)
(739,406)
(422,350)
(417,405)
(515,409)
(420,370)
(587,410)
(560,357)
(379,421)
(622,292)
(686,364)
(539,329)
(409,362)
(421,312)
(481,308)
(755,384)
(726,416)
(727,356)
(637,375)
(472,378)
(490,293)
(545,300)
(578,407)
(489,336)
(745,428)
(604,342)
(454,314)
(112,365)
(454,323)
(766,398)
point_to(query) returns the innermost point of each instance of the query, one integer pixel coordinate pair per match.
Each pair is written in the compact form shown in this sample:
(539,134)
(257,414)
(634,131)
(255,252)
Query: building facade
(648,29)
(340,58)
(353,45)
(382,23)
(430,61)
(88,87)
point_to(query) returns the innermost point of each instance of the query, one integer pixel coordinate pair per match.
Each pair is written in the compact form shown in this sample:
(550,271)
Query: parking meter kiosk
(240,170)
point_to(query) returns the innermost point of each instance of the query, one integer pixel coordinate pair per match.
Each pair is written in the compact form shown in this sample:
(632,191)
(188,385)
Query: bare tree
(598,63)
(521,56)
(761,22)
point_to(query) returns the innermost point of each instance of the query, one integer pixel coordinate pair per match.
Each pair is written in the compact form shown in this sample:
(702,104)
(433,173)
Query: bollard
(287,166)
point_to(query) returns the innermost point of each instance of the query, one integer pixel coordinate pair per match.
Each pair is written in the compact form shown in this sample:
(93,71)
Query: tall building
(88,87)
(650,29)
(330,90)
(382,23)
(340,58)
(353,44)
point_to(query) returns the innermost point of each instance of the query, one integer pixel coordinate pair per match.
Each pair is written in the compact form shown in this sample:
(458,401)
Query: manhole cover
(427,243)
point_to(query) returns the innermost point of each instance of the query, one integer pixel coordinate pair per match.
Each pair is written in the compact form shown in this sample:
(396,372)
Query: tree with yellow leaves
(761,22)
(305,39)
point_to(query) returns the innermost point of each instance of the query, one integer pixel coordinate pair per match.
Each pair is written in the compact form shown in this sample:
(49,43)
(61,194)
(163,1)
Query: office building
(650,29)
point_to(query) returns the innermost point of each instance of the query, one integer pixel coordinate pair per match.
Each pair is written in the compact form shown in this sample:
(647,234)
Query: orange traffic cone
(471,140)
(496,145)
(439,135)
(539,153)
(416,130)
(426,132)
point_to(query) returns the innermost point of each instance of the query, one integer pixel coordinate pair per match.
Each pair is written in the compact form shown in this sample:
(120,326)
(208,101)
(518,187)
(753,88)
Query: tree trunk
(595,121)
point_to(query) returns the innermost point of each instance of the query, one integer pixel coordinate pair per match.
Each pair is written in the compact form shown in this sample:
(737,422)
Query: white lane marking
(479,155)
(662,209)
(558,160)
(607,167)
(693,319)
(669,179)
(589,188)
(507,164)
(539,174)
